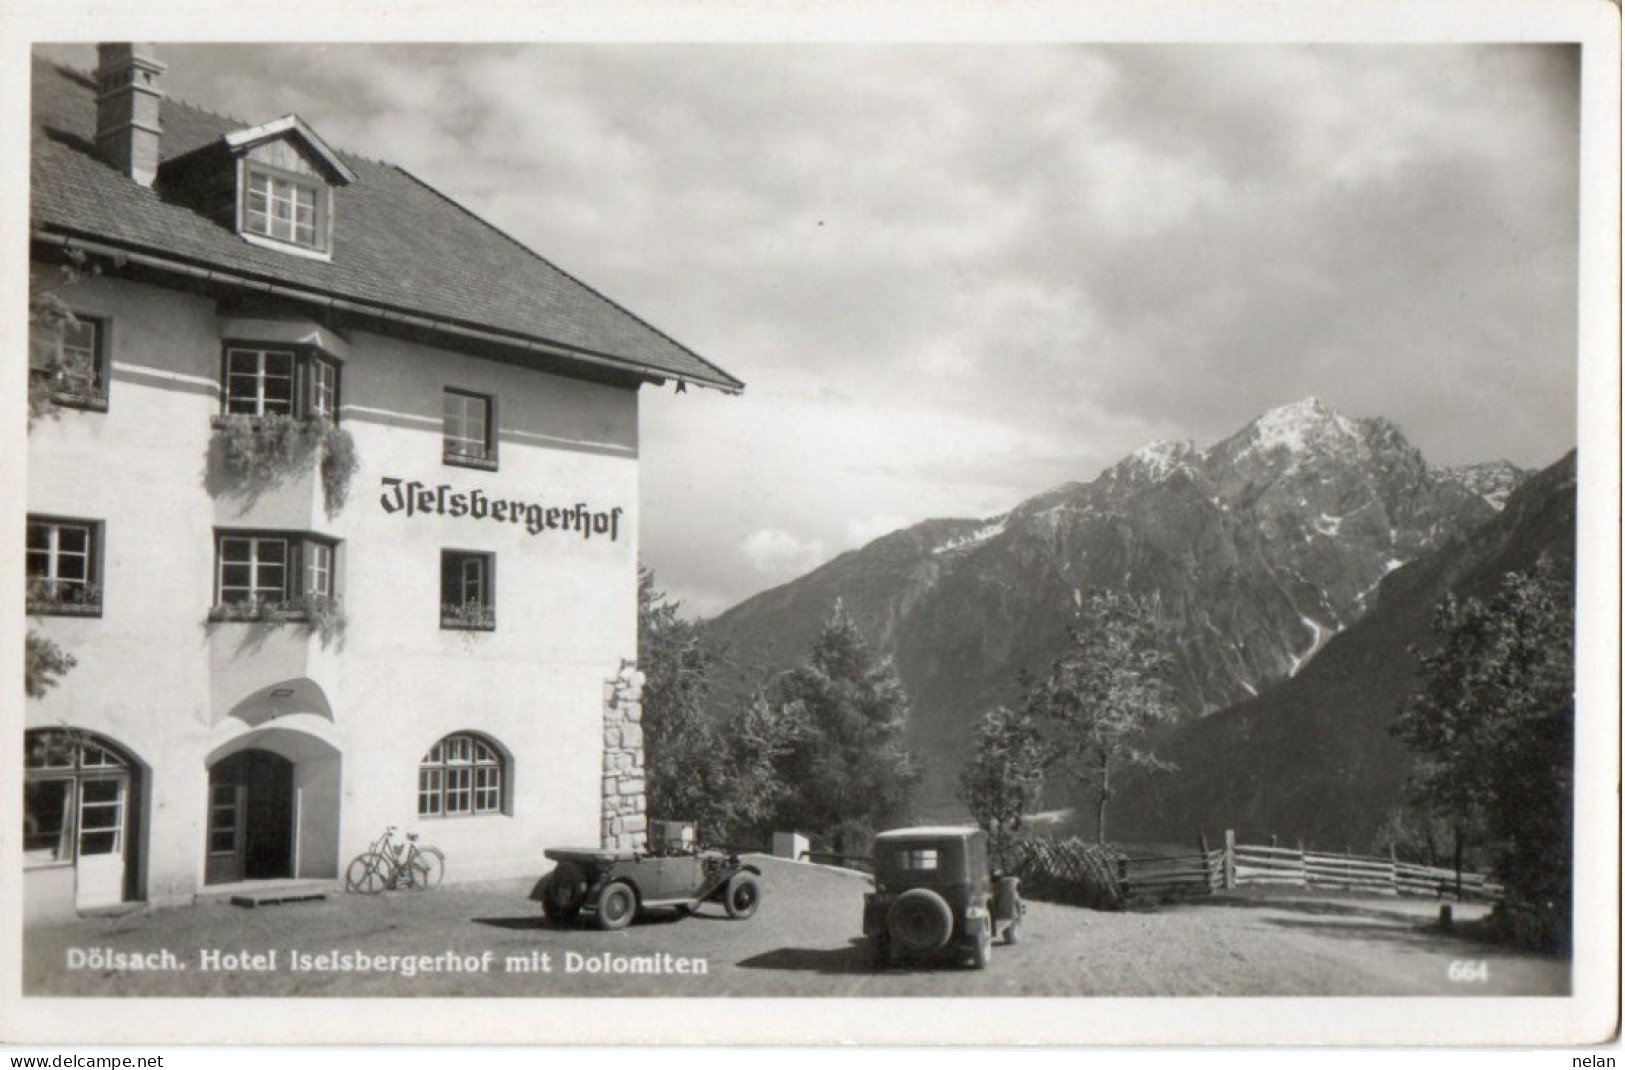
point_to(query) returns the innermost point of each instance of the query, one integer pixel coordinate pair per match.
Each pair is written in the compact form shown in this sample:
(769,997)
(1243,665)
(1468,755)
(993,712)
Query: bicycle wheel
(368,874)
(433,863)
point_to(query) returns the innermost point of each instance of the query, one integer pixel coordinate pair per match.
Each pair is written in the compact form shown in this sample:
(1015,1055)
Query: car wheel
(616,905)
(920,921)
(742,897)
(561,897)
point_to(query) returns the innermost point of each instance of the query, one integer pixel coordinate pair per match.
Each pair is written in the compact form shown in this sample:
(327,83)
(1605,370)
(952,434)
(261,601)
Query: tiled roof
(398,244)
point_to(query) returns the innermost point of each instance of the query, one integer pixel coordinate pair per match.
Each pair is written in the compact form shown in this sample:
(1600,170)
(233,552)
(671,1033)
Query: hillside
(1312,758)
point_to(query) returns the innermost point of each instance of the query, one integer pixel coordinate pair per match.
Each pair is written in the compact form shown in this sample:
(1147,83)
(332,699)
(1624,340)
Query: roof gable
(294,131)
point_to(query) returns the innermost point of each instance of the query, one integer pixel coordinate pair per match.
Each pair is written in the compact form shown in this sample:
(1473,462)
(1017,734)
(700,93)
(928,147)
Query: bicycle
(386,864)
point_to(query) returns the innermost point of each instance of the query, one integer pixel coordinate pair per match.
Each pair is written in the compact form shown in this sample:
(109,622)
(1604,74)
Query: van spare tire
(920,921)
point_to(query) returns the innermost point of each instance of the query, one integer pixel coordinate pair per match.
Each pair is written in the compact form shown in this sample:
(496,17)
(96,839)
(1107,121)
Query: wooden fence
(1243,865)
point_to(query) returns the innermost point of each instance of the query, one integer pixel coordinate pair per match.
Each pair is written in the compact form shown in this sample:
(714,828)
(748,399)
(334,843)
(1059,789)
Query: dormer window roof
(291,128)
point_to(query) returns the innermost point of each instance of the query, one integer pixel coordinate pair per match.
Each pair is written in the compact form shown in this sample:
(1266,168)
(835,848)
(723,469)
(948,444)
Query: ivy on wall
(261,452)
(53,371)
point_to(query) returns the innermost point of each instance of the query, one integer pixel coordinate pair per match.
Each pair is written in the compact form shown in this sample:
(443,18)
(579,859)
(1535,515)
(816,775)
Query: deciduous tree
(706,759)
(1106,695)
(1491,725)
(1004,779)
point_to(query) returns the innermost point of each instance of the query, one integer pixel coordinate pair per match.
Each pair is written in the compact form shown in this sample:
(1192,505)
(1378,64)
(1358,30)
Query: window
(318,569)
(70,355)
(468,438)
(285,208)
(918,859)
(280,382)
(466,590)
(253,569)
(324,389)
(75,793)
(270,573)
(461,776)
(64,567)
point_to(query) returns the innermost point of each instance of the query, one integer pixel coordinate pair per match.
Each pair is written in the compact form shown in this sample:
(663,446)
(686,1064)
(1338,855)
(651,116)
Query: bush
(1070,871)
(45,664)
(321,614)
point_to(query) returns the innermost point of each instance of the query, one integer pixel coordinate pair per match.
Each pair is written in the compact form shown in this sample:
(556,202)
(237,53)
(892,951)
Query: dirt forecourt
(489,940)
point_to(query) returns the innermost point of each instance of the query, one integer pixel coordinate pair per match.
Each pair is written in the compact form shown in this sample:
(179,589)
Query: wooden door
(251,826)
(227,836)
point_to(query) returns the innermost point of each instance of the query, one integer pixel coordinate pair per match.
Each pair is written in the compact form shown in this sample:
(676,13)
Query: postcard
(1023,527)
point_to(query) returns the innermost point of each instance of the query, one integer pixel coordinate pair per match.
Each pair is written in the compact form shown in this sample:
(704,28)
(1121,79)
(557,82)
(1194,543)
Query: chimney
(128,94)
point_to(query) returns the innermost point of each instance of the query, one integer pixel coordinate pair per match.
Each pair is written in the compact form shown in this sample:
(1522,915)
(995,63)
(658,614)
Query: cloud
(860,531)
(777,553)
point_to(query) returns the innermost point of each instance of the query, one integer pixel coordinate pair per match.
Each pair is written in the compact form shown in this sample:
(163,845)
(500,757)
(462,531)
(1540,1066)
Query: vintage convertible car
(611,886)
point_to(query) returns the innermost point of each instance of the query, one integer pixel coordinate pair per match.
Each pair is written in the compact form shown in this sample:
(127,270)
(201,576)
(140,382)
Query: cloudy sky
(953,276)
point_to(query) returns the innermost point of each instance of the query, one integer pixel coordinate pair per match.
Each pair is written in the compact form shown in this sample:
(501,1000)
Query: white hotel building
(250,288)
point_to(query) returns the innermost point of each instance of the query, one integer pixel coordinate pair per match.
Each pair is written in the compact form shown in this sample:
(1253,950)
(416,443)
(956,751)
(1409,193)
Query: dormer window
(272,184)
(285,207)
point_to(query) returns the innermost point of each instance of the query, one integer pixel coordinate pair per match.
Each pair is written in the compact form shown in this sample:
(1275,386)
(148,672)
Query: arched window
(76,788)
(462,775)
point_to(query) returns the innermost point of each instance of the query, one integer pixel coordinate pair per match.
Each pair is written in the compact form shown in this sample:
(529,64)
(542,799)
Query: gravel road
(489,940)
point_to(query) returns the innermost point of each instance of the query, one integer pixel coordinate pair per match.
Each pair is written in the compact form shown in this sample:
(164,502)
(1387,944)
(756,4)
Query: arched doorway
(251,818)
(274,800)
(81,809)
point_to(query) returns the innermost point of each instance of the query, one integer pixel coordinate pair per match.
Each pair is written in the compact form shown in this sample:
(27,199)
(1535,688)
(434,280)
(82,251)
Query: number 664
(1469,970)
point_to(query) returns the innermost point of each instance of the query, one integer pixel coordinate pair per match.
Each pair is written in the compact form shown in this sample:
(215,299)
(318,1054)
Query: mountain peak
(1157,460)
(1299,425)
(1493,481)
(1286,438)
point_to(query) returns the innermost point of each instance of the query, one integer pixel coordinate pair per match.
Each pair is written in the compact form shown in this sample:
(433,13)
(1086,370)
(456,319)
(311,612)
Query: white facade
(350,720)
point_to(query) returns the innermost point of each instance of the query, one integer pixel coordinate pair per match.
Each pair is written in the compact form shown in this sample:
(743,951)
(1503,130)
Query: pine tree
(848,774)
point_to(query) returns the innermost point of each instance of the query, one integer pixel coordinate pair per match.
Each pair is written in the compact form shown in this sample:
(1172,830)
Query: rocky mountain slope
(1312,758)
(1259,548)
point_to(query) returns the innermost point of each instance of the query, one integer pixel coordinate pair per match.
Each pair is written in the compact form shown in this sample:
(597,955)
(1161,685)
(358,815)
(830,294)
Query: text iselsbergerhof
(412,498)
